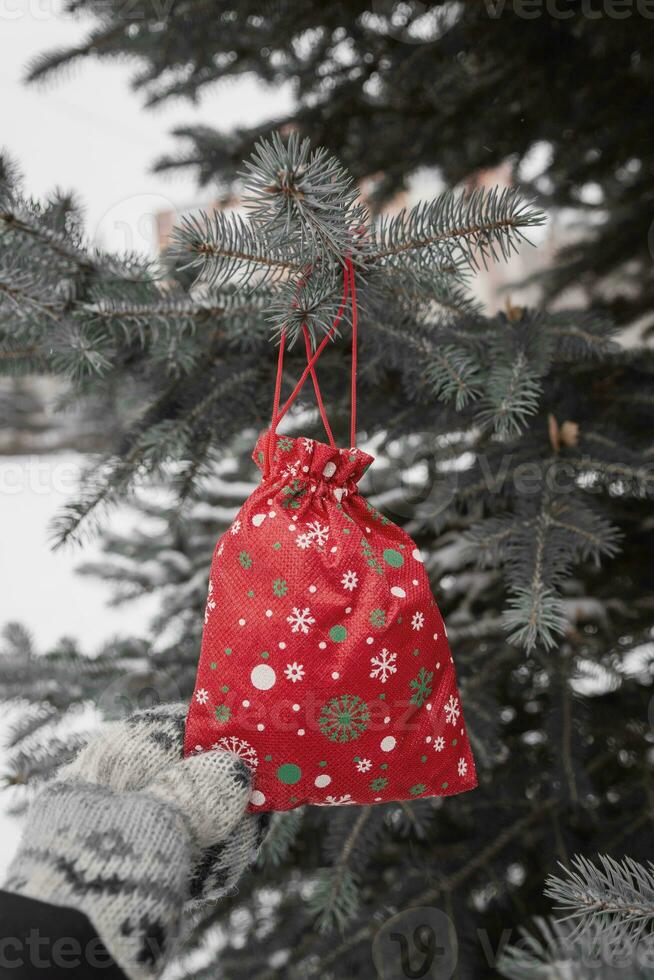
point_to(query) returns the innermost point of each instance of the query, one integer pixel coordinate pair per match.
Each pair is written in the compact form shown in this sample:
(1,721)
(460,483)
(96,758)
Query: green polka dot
(454,741)
(228,650)
(322,764)
(265,654)
(382,697)
(338,634)
(346,530)
(444,785)
(251,593)
(393,558)
(416,652)
(267,758)
(214,665)
(384,765)
(224,688)
(292,799)
(423,758)
(289,773)
(277,545)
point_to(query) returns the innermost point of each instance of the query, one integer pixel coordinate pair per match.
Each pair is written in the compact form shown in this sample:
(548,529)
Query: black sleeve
(41,940)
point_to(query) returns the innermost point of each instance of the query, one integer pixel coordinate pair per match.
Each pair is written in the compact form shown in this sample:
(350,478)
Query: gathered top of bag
(308,461)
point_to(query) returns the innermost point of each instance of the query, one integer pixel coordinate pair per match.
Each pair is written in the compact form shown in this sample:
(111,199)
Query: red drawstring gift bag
(325,663)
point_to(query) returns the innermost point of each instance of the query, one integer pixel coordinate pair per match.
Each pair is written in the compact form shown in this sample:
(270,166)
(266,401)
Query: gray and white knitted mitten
(130,832)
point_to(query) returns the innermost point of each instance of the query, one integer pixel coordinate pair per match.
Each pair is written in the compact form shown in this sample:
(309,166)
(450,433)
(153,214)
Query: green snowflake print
(285,444)
(280,587)
(378,617)
(369,555)
(421,686)
(245,560)
(223,713)
(292,494)
(380,782)
(344,718)
(417,789)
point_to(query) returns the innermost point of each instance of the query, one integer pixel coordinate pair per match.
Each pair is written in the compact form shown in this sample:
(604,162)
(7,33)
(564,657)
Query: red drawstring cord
(277,415)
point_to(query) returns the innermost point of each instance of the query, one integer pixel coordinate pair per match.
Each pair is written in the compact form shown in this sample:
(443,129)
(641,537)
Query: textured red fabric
(325,663)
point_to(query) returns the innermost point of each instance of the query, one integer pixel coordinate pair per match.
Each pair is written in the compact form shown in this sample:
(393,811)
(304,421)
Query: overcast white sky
(87,131)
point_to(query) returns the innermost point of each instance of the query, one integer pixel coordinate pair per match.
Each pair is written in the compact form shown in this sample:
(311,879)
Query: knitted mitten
(130,832)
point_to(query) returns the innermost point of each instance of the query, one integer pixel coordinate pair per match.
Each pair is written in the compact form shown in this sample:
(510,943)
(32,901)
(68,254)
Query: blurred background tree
(515,448)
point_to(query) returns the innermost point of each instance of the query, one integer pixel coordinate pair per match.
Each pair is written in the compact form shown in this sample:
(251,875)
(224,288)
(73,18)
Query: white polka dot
(257,798)
(263,677)
(322,645)
(428,706)
(312,588)
(268,613)
(333,550)
(322,780)
(369,640)
(269,501)
(291,527)
(246,703)
(349,609)
(313,489)
(258,519)
(387,719)
(272,513)
(388,743)
(367,530)
(435,636)
(415,581)
(398,592)
(377,799)
(241,622)
(438,665)
(300,731)
(260,727)
(416,554)
(282,645)
(296,707)
(335,675)
(305,469)
(428,739)
(328,470)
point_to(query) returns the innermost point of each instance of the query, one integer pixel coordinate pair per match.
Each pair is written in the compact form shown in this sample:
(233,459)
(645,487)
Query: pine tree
(513,448)
(391,87)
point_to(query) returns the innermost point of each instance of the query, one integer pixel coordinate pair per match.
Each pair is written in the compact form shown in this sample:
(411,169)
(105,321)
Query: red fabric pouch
(325,663)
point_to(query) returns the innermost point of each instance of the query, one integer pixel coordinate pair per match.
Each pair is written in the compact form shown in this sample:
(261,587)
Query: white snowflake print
(211,603)
(300,620)
(337,800)
(294,672)
(290,470)
(303,541)
(452,710)
(201,696)
(308,444)
(318,533)
(383,665)
(418,621)
(364,765)
(236,527)
(439,743)
(462,768)
(350,581)
(241,748)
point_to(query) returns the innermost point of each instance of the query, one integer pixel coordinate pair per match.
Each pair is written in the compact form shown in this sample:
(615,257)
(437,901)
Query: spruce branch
(467,228)
(223,248)
(614,899)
